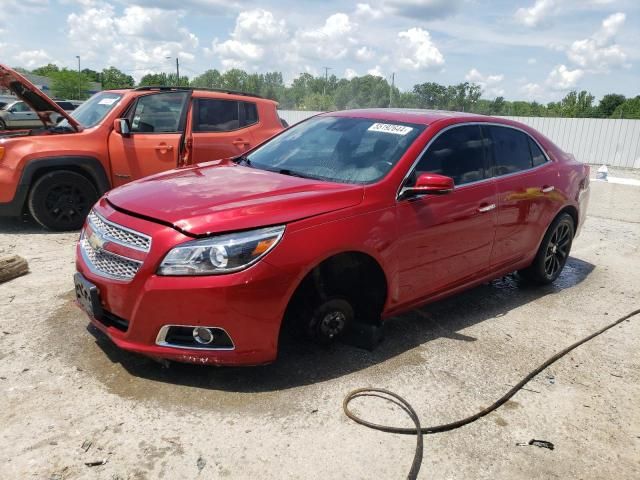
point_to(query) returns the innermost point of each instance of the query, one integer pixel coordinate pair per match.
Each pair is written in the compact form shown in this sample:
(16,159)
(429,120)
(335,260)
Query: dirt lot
(69,397)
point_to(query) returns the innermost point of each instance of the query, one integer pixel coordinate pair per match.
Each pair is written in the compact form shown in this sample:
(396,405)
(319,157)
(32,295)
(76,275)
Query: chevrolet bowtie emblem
(96,241)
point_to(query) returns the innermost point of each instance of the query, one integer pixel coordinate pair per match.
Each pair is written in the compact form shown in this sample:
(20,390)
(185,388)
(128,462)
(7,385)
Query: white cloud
(490,84)
(350,73)
(364,11)
(423,9)
(599,52)
(536,14)
(138,40)
(375,71)
(32,58)
(561,78)
(417,51)
(364,54)
(331,41)
(255,32)
(533,91)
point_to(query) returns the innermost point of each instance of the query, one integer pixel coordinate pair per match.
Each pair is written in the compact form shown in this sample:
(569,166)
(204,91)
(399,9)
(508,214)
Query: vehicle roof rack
(219,90)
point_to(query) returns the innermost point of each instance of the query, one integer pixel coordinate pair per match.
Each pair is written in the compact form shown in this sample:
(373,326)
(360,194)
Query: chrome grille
(109,264)
(118,234)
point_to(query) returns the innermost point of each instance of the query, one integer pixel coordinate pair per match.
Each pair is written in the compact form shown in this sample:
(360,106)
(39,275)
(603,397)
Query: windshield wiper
(242,159)
(291,173)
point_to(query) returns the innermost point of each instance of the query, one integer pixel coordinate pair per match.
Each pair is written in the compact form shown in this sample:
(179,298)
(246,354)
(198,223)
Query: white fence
(592,140)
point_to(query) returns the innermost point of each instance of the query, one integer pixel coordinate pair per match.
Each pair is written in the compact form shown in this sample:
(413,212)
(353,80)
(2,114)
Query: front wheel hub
(332,324)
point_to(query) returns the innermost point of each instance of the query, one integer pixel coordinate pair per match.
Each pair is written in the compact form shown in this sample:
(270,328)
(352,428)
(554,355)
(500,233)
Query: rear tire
(61,200)
(553,252)
(3,126)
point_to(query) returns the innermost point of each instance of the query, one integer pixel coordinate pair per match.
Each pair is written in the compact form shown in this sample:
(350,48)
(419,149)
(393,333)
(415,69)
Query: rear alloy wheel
(61,200)
(553,252)
(330,320)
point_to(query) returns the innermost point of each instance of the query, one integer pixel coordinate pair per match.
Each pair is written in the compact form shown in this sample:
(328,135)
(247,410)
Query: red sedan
(325,230)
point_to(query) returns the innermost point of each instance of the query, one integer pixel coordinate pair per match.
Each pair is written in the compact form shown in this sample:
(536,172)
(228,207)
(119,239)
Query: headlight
(222,254)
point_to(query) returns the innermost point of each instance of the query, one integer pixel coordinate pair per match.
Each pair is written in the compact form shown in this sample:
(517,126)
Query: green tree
(209,79)
(113,78)
(609,103)
(92,75)
(47,70)
(69,84)
(629,109)
(154,79)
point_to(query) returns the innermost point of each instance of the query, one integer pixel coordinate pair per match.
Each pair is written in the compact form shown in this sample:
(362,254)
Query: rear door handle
(486,208)
(240,141)
(548,188)
(165,147)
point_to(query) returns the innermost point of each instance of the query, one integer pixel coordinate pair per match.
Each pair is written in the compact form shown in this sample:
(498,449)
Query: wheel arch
(341,268)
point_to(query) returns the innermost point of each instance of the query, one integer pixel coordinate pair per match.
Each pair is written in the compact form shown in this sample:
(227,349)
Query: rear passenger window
(510,150)
(211,115)
(458,153)
(250,113)
(536,154)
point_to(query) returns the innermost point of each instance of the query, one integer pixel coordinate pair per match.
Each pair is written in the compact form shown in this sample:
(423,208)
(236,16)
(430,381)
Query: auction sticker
(390,128)
(108,101)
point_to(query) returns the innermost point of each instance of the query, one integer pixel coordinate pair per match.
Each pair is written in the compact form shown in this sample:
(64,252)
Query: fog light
(202,335)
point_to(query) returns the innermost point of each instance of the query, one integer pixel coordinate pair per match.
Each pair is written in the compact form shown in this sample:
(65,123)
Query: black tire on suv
(61,200)
(3,126)
(553,252)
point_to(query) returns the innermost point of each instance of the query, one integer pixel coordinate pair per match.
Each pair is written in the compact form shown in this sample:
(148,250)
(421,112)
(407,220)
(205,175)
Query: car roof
(408,115)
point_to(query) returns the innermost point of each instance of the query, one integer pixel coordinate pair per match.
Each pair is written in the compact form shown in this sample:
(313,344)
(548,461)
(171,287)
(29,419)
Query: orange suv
(57,173)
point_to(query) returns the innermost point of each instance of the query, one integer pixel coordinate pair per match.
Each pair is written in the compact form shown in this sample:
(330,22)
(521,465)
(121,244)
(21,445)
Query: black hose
(420,431)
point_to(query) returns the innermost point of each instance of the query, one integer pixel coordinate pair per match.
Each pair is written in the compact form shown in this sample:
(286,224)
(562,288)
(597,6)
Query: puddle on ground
(295,378)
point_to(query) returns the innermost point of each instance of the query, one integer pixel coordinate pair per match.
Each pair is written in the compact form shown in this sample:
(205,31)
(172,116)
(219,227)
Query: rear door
(524,180)
(444,240)
(221,128)
(157,126)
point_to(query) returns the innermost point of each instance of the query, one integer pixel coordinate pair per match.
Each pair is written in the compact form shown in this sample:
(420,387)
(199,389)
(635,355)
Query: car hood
(209,199)
(33,96)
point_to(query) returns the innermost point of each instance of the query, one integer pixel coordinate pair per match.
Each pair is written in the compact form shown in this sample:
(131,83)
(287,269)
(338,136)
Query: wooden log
(12,266)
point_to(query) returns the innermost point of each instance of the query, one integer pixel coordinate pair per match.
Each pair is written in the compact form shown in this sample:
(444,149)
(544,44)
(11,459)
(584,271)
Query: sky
(519,49)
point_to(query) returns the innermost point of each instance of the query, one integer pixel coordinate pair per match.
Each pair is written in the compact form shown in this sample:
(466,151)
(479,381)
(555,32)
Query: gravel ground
(69,397)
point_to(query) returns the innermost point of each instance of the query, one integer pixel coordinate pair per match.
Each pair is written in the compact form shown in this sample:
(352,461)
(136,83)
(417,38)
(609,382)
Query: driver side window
(159,113)
(458,153)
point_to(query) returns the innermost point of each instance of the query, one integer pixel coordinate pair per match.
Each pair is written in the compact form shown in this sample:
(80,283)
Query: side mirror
(429,184)
(121,126)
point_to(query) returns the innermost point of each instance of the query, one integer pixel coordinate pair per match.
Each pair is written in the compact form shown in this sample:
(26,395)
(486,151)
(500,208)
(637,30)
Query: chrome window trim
(162,335)
(468,124)
(118,227)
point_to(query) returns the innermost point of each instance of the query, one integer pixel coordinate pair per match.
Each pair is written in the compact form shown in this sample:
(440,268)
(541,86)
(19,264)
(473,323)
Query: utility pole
(79,82)
(178,70)
(326,80)
(393,79)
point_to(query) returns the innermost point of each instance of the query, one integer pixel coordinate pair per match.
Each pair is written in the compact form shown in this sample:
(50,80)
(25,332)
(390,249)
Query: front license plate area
(87,296)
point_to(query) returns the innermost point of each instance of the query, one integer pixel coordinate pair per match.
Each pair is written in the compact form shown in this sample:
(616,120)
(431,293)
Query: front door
(447,239)
(157,125)
(21,115)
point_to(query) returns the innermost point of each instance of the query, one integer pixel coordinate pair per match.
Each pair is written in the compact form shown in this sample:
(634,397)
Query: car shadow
(304,364)
(23,224)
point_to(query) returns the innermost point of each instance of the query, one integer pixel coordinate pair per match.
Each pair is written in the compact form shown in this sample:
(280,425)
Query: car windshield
(338,149)
(91,112)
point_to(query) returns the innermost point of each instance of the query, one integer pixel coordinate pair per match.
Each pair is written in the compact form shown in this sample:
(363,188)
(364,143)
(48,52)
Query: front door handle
(548,188)
(486,208)
(163,148)
(240,141)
